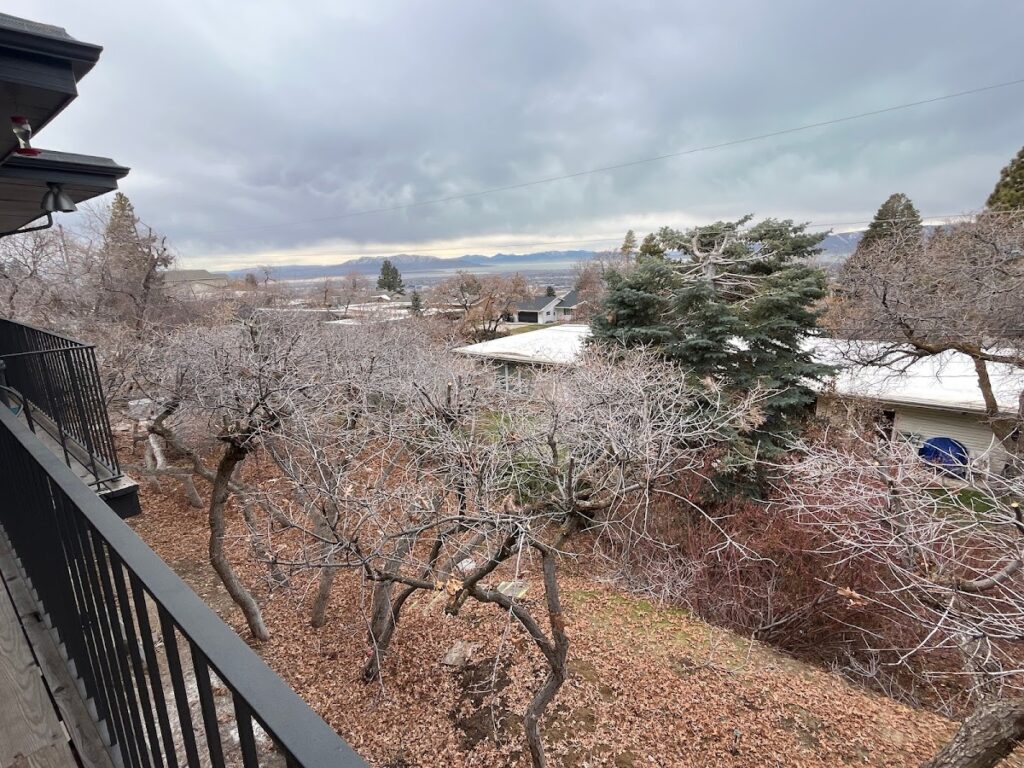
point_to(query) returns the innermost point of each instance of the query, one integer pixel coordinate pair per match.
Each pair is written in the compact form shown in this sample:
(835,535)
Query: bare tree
(229,387)
(946,555)
(354,287)
(482,303)
(961,291)
(589,287)
(434,478)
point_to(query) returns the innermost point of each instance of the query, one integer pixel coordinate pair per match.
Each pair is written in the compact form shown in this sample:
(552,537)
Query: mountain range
(836,248)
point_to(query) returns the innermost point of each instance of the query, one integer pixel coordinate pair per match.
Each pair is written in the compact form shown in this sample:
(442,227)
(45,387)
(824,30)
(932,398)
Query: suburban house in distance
(568,306)
(547,309)
(537,309)
(193,283)
(107,658)
(935,397)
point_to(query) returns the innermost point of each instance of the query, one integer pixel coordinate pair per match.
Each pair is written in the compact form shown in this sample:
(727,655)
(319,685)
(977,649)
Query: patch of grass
(525,328)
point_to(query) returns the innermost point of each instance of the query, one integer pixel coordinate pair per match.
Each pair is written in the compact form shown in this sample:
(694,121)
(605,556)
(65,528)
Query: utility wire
(641,161)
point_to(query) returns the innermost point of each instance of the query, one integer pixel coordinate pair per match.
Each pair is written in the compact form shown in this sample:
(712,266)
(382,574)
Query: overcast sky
(240,119)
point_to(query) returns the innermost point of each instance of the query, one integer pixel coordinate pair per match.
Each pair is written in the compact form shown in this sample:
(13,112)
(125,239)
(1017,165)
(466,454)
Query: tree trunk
(1006,430)
(382,627)
(985,738)
(323,596)
(556,653)
(233,455)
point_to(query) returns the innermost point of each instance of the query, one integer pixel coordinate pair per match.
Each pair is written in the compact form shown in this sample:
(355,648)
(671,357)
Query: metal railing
(171,684)
(57,381)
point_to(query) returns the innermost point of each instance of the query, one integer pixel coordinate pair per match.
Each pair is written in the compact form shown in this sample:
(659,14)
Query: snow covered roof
(946,381)
(556,345)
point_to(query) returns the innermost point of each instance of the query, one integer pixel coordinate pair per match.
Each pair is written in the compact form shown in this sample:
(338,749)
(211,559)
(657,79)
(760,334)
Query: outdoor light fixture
(56,199)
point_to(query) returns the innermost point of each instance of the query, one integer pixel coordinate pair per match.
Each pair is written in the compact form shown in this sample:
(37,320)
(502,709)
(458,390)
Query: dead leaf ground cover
(649,685)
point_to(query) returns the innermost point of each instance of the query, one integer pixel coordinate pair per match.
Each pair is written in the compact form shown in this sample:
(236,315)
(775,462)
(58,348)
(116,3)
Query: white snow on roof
(557,345)
(947,380)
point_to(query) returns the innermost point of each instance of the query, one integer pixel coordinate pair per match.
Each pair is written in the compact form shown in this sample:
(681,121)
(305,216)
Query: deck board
(75,721)
(28,723)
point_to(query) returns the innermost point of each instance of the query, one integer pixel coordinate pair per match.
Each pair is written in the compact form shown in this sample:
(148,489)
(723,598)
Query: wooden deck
(44,723)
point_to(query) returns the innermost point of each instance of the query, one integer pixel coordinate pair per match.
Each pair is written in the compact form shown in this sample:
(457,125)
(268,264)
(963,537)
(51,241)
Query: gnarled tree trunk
(232,456)
(984,738)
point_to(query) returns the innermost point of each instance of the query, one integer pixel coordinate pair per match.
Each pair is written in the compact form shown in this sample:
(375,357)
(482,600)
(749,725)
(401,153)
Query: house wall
(533,316)
(919,424)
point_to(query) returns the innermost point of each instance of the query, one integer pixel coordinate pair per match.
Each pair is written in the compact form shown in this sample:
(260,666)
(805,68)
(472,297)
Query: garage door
(527,317)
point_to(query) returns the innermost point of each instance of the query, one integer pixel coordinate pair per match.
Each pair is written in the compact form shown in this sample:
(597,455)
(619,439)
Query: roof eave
(82,56)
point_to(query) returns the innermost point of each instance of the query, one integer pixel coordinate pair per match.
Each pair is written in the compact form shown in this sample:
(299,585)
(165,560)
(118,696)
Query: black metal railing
(57,382)
(171,684)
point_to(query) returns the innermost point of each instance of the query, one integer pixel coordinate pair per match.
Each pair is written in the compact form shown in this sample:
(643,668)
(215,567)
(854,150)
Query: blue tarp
(945,452)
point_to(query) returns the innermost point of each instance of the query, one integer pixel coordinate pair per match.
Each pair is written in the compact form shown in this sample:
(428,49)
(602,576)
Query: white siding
(969,429)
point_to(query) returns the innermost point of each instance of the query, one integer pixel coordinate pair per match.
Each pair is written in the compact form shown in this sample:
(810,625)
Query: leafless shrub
(945,554)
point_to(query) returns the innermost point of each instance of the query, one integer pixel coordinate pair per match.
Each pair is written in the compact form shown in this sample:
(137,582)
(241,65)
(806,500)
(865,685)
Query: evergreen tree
(131,256)
(390,278)
(550,291)
(896,218)
(737,307)
(416,303)
(1009,192)
(651,248)
(628,247)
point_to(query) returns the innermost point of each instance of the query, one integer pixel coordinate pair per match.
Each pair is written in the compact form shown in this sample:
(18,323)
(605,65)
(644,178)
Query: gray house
(548,309)
(538,309)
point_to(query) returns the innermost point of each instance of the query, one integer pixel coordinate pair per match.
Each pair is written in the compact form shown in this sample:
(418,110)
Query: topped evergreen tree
(1009,192)
(896,219)
(121,234)
(628,247)
(390,278)
(737,307)
(131,258)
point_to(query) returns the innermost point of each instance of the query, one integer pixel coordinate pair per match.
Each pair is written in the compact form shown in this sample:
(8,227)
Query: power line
(640,161)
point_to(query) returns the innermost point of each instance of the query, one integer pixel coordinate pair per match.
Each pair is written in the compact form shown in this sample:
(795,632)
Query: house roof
(47,40)
(536,303)
(947,381)
(40,66)
(571,299)
(556,345)
(192,276)
(23,180)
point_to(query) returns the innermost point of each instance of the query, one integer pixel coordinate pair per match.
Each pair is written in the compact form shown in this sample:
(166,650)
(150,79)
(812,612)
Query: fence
(114,604)
(58,383)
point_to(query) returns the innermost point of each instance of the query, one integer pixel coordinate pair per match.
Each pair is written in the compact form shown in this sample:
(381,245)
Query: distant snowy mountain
(837,247)
(412,264)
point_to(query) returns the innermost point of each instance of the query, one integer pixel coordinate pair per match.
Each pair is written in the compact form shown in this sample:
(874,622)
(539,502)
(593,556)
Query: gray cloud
(237,116)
